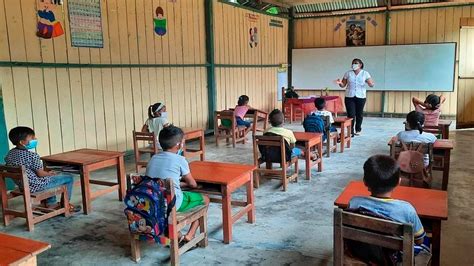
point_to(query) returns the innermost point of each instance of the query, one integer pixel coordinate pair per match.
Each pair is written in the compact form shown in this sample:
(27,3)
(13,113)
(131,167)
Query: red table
(20,251)
(430,204)
(311,140)
(333,104)
(222,179)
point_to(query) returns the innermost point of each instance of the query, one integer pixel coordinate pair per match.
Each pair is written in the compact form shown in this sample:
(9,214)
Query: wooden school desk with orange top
(221,179)
(190,134)
(311,140)
(20,251)
(86,161)
(345,124)
(430,205)
(442,156)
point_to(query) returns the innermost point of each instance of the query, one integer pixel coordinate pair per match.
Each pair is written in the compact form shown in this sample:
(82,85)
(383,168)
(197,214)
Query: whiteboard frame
(388,90)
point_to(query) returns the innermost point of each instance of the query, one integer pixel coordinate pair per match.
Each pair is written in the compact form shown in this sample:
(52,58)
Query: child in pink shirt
(431,108)
(241,109)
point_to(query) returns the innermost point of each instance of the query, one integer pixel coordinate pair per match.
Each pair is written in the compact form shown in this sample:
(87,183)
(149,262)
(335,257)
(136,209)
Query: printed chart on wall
(85,23)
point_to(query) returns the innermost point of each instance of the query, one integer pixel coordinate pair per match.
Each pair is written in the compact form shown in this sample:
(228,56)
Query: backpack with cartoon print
(147,210)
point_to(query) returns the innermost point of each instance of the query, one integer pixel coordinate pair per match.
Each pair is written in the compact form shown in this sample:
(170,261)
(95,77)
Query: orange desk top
(429,203)
(82,156)
(341,119)
(444,122)
(219,173)
(440,144)
(188,130)
(16,249)
(307,136)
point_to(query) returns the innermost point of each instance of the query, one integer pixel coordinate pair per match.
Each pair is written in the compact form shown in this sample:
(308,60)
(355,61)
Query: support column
(211,68)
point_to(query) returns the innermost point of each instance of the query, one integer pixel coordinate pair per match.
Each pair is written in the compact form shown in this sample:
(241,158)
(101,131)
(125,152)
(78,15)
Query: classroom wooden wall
(239,67)
(98,107)
(429,25)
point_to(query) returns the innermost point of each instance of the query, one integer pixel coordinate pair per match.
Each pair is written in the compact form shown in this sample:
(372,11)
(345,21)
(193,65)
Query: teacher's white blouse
(356,83)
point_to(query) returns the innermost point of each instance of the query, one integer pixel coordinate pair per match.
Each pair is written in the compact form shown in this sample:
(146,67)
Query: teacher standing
(354,81)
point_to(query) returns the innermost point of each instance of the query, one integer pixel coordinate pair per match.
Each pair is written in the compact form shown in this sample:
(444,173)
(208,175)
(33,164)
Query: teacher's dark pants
(355,110)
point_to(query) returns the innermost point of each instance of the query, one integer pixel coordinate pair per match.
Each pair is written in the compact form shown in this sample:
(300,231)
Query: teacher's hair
(357,60)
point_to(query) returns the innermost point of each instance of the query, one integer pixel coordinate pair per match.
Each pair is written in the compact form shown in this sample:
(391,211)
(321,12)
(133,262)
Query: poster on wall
(253,37)
(159,23)
(355,32)
(48,24)
(86,23)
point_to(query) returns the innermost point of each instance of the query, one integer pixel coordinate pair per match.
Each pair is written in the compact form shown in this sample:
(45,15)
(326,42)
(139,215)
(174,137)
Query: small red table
(345,124)
(20,251)
(190,134)
(333,104)
(430,204)
(310,140)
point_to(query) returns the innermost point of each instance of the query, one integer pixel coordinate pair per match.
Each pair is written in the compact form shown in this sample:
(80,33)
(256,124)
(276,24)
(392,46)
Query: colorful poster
(48,26)
(160,21)
(253,37)
(86,23)
(355,32)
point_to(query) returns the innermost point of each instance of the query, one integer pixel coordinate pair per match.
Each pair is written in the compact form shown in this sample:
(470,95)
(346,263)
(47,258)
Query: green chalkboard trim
(246,66)
(68,65)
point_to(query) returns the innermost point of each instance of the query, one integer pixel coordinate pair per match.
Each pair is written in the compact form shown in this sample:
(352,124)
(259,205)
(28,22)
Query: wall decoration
(276,23)
(48,26)
(160,21)
(252,17)
(86,23)
(253,37)
(361,17)
(355,33)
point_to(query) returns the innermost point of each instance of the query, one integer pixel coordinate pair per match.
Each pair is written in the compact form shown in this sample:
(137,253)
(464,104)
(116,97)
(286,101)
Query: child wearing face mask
(170,164)
(38,179)
(157,119)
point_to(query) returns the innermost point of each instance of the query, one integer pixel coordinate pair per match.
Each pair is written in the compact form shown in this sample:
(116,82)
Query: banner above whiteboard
(414,67)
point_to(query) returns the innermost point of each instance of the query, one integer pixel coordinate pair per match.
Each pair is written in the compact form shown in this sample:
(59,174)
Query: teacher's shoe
(358,133)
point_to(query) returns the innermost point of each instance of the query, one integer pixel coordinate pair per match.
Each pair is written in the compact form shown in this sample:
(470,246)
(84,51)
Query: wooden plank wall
(72,108)
(231,27)
(407,27)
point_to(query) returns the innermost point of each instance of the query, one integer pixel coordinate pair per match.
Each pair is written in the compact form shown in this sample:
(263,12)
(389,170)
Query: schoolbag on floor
(314,123)
(147,210)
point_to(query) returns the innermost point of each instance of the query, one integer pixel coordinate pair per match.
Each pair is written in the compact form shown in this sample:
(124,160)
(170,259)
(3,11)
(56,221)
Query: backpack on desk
(315,124)
(147,210)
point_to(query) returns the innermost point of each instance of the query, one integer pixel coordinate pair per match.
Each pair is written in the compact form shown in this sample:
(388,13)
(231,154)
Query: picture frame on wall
(85,22)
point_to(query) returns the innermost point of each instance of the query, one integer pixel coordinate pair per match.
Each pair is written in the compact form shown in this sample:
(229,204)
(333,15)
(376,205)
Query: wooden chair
(151,147)
(273,149)
(375,231)
(176,222)
(32,214)
(413,174)
(331,136)
(238,134)
(292,111)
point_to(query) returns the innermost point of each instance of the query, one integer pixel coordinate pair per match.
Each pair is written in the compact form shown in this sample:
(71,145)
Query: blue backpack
(147,210)
(314,123)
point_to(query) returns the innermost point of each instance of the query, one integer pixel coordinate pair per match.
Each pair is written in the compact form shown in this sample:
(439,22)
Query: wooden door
(465,111)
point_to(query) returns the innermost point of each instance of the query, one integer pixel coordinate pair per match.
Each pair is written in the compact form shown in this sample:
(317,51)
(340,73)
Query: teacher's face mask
(355,66)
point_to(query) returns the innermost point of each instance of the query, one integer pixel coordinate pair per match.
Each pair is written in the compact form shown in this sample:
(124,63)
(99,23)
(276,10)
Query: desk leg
(307,158)
(436,242)
(86,190)
(349,134)
(320,152)
(447,163)
(250,200)
(121,178)
(343,136)
(203,148)
(227,214)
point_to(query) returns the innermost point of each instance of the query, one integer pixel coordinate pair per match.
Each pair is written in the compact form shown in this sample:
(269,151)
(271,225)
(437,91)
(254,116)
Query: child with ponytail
(157,119)
(414,131)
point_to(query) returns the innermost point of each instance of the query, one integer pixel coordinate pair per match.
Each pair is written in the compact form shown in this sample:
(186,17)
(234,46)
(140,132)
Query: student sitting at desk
(157,119)
(170,164)
(38,179)
(382,176)
(241,110)
(276,120)
(431,108)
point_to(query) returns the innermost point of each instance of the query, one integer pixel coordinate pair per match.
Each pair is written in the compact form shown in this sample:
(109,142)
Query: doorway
(465,106)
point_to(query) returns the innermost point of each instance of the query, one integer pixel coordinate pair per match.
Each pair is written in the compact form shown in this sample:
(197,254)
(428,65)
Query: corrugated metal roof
(339,5)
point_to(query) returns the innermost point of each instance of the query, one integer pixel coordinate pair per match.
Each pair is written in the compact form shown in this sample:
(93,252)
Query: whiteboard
(418,67)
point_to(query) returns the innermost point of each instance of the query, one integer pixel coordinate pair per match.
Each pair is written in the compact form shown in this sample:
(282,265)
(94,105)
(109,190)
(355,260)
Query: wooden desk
(333,104)
(88,160)
(258,116)
(430,204)
(443,128)
(194,133)
(222,179)
(441,154)
(311,140)
(345,124)
(20,251)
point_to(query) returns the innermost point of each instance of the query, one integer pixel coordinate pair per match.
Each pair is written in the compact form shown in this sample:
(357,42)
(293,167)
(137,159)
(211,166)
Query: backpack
(147,210)
(314,123)
(411,161)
